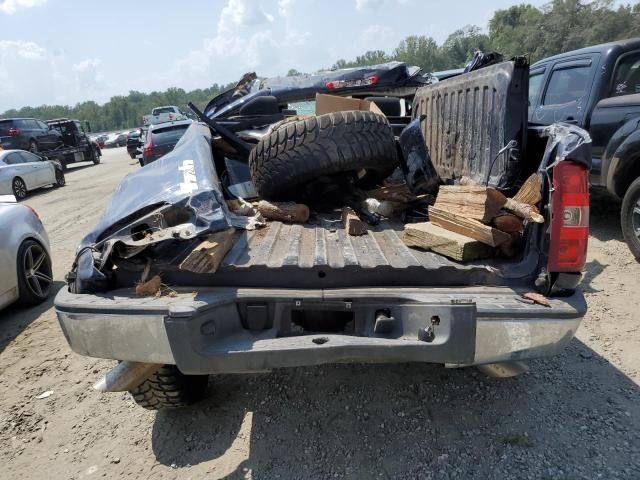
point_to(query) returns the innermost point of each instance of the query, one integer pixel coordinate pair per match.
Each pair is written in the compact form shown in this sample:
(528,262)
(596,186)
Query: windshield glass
(158,111)
(169,134)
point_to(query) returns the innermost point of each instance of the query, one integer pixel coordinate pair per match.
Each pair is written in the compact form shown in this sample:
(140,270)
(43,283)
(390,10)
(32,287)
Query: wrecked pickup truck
(191,273)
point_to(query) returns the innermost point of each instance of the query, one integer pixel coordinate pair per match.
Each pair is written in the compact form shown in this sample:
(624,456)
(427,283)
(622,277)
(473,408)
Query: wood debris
(284,211)
(537,298)
(530,192)
(458,247)
(471,201)
(467,226)
(150,287)
(508,223)
(352,223)
(208,255)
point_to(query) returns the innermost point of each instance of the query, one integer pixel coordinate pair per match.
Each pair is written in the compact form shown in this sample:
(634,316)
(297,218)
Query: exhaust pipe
(126,376)
(503,370)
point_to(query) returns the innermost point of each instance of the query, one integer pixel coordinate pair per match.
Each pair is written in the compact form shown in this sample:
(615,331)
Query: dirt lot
(573,416)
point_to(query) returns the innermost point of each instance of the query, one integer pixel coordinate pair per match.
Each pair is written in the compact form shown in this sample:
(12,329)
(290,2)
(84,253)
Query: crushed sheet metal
(178,196)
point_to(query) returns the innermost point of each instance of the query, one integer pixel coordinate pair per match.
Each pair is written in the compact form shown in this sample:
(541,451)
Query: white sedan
(22,171)
(25,261)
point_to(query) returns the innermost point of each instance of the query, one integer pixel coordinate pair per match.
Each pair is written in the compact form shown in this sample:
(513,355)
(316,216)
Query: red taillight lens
(330,86)
(569,217)
(148,148)
(14,132)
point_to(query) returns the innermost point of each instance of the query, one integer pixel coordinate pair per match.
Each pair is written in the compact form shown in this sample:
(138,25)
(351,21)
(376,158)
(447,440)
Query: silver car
(22,171)
(25,260)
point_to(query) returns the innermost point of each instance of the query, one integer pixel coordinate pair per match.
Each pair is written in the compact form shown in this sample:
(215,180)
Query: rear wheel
(19,188)
(170,388)
(34,273)
(33,146)
(60,180)
(96,156)
(630,218)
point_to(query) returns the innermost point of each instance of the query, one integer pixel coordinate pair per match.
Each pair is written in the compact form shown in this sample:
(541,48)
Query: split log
(208,255)
(508,223)
(150,287)
(471,201)
(352,223)
(467,226)
(284,211)
(430,236)
(524,210)
(530,192)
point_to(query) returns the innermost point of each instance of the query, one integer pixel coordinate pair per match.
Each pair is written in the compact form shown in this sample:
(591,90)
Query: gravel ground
(574,416)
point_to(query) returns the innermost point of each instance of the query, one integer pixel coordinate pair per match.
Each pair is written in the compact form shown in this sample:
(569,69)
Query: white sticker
(190,183)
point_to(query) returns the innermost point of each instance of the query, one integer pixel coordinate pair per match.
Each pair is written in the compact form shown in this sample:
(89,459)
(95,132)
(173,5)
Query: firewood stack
(469,221)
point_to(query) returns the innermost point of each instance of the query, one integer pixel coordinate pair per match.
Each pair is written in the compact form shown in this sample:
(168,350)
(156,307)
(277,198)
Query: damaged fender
(177,197)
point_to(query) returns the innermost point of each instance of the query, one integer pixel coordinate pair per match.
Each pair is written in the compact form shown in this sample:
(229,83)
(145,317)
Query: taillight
(14,132)
(148,148)
(332,85)
(569,217)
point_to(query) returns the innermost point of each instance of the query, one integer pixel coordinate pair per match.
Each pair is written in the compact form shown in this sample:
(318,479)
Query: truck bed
(323,255)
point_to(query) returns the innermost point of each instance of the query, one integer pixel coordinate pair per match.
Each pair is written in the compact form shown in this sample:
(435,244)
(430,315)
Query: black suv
(28,134)
(598,88)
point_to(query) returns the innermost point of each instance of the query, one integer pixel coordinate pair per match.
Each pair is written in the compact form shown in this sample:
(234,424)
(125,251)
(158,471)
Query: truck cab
(598,89)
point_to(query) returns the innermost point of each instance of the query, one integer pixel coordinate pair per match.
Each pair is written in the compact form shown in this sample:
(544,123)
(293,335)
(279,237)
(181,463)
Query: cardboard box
(333,103)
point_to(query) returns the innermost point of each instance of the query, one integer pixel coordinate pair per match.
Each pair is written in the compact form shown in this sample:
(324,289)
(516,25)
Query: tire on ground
(630,202)
(298,152)
(170,388)
(28,295)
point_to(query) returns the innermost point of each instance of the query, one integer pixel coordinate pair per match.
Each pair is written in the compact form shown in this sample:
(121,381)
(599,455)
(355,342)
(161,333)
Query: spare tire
(297,153)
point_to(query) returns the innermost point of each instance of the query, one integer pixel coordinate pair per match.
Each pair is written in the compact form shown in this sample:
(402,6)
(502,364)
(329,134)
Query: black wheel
(299,152)
(19,188)
(33,146)
(96,156)
(170,388)
(34,273)
(60,180)
(630,218)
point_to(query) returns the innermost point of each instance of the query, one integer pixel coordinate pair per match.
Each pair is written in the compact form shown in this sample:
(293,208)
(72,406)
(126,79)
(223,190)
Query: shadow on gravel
(604,216)
(572,416)
(14,319)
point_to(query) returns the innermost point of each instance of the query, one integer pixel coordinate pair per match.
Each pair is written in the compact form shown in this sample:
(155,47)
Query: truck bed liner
(324,255)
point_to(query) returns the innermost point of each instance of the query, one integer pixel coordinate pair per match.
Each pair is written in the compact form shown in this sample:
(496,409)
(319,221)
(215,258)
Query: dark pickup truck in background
(598,89)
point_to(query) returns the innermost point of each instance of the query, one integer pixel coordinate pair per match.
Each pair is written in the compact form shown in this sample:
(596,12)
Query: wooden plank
(530,192)
(471,201)
(458,247)
(208,255)
(467,226)
(352,223)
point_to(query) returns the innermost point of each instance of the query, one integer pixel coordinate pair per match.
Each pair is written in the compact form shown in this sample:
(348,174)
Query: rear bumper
(227,330)
(14,143)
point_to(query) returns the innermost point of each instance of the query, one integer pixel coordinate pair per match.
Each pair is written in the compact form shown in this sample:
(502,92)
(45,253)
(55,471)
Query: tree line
(559,26)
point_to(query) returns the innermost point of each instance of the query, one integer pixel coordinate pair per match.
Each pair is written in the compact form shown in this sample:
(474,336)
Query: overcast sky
(66,51)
